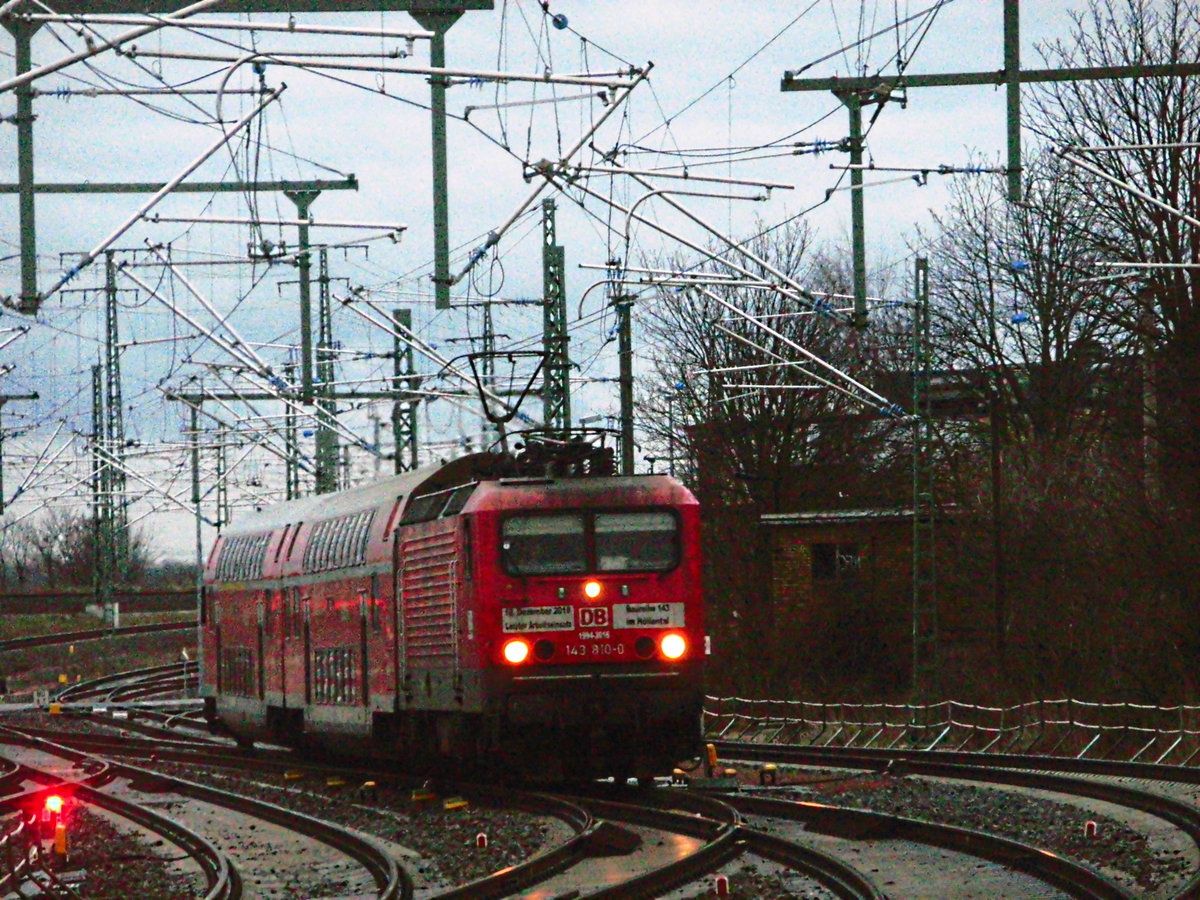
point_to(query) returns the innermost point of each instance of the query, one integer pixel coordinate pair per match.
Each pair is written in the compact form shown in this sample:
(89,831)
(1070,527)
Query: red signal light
(54,803)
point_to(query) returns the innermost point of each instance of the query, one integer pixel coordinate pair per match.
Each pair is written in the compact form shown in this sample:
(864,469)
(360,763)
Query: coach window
(292,542)
(341,546)
(636,541)
(544,545)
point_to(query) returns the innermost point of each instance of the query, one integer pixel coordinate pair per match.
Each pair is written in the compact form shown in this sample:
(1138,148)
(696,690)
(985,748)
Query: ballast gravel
(441,848)
(1109,845)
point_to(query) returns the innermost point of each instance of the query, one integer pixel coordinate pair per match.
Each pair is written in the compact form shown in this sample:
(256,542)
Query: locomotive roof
(327,506)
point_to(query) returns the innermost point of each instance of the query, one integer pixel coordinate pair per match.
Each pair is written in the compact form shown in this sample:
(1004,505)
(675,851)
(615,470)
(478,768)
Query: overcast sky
(715,84)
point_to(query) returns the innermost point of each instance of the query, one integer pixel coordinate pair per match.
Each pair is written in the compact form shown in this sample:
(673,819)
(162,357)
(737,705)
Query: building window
(836,561)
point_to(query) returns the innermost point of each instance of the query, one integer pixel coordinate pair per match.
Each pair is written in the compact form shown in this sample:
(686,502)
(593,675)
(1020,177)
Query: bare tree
(757,434)
(745,408)
(1145,124)
(62,543)
(15,556)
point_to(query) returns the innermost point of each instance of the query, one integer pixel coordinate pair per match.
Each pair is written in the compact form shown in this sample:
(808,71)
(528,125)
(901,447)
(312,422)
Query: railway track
(604,844)
(223,881)
(718,825)
(390,880)
(1121,784)
(92,634)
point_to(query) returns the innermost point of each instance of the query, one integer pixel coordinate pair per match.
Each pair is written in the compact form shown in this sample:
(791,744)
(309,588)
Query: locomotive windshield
(545,545)
(635,542)
(558,544)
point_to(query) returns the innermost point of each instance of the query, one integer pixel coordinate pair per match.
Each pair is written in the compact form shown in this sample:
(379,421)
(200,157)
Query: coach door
(307,603)
(364,670)
(264,601)
(289,642)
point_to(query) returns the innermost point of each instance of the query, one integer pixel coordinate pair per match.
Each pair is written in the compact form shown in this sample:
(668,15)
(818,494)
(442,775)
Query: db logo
(593,617)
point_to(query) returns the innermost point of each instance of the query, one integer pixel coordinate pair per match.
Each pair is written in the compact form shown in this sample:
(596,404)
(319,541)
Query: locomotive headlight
(516,651)
(673,646)
(591,589)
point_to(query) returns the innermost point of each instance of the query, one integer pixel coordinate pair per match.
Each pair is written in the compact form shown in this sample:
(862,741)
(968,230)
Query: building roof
(836,516)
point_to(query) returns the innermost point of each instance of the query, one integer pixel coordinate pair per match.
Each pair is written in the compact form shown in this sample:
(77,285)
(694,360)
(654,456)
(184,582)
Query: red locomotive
(534,610)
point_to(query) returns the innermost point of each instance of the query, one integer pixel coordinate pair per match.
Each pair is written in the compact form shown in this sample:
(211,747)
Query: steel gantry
(857,92)
(17,17)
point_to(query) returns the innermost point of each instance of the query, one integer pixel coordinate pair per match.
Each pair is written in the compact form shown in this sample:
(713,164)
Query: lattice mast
(114,426)
(404,386)
(103,568)
(556,390)
(327,454)
(926,669)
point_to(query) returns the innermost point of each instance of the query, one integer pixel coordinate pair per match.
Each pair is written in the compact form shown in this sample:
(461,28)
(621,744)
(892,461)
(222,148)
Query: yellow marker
(335,782)
(55,709)
(62,679)
(454,803)
(60,839)
(421,795)
(711,751)
(292,776)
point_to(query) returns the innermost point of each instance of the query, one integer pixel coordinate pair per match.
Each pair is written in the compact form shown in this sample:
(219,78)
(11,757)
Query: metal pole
(671,434)
(439,24)
(858,227)
(623,304)
(1012,78)
(195,431)
(304,201)
(22,33)
(999,595)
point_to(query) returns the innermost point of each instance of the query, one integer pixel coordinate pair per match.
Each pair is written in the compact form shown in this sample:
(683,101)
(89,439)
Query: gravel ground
(1047,824)
(109,863)
(445,841)
(447,854)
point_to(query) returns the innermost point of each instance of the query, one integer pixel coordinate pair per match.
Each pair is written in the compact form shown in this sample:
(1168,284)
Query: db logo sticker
(593,617)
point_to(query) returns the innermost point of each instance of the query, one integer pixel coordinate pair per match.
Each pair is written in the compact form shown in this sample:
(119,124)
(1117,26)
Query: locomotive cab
(590,589)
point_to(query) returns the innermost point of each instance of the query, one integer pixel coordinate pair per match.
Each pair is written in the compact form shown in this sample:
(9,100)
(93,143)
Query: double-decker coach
(541,614)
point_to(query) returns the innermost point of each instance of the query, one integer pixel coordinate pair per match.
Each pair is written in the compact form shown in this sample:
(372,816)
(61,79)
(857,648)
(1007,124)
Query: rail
(1167,735)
